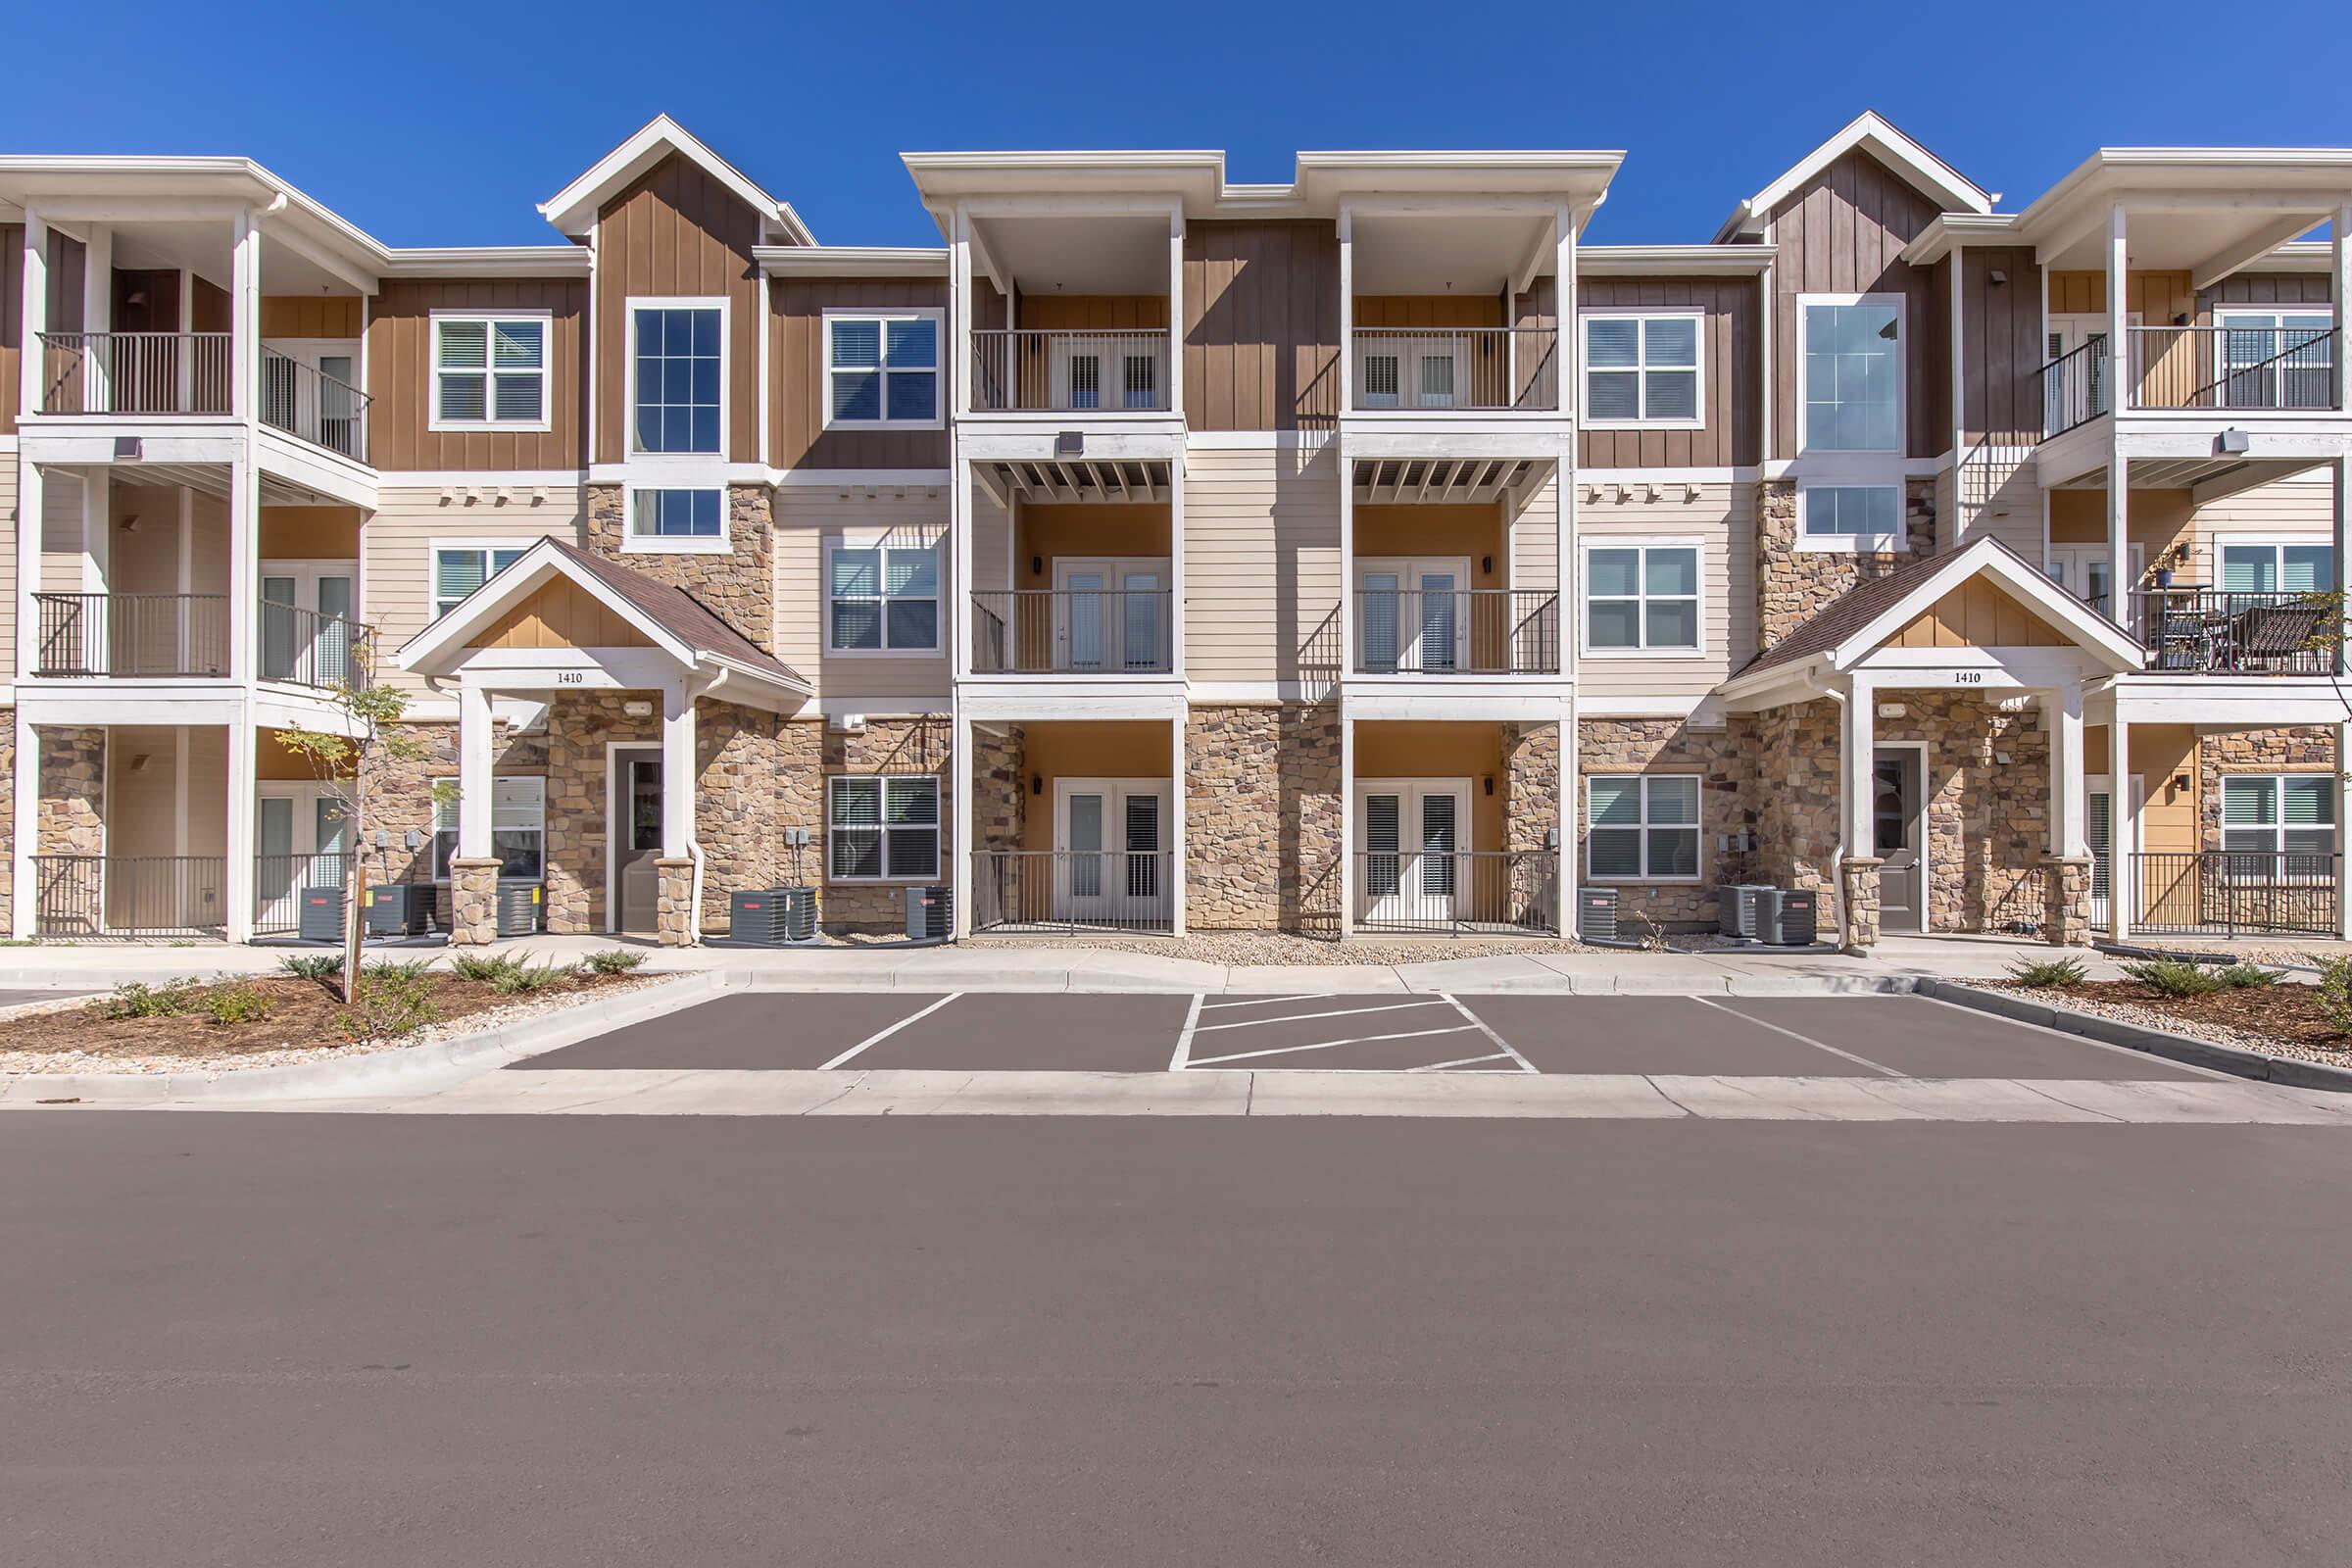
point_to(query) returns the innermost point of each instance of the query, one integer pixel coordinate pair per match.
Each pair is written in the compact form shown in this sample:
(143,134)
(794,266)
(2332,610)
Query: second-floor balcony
(2230,369)
(1463,368)
(1456,631)
(2219,631)
(1075,631)
(1109,372)
(150,375)
(188,636)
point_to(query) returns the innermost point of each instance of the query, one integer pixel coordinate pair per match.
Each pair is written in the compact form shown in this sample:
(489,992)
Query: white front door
(2079,390)
(1413,617)
(1110,616)
(2098,827)
(310,388)
(1415,835)
(1112,369)
(1111,835)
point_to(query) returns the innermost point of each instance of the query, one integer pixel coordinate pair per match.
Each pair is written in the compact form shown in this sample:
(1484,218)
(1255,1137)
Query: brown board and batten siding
(400,376)
(797,434)
(2264,288)
(1262,326)
(677,233)
(2001,346)
(1728,348)
(11,319)
(1845,233)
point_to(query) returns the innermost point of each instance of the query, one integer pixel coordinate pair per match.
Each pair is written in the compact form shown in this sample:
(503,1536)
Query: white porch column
(2340,278)
(474,732)
(244,570)
(237,843)
(245,322)
(960,585)
(31,360)
(1175,310)
(2063,708)
(1572,794)
(98,314)
(961,846)
(1858,862)
(2119,392)
(1348,607)
(1346,866)
(2122,829)
(1175,631)
(26,810)
(677,770)
(2343,805)
(32,510)
(2342,473)
(1346,326)
(1177,791)
(1566,355)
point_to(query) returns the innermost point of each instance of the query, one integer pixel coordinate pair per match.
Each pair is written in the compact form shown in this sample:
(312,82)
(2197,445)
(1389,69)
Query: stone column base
(472,902)
(673,920)
(2066,886)
(1858,882)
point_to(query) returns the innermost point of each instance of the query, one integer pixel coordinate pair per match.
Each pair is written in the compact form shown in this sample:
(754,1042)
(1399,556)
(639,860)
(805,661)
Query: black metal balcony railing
(2074,387)
(1073,890)
(2252,368)
(2232,893)
(1424,368)
(1072,631)
(2205,630)
(135,372)
(1459,631)
(1114,371)
(308,648)
(131,635)
(129,896)
(306,403)
(1463,892)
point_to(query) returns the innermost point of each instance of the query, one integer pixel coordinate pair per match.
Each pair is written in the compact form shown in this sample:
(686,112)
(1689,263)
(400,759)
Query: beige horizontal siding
(1535,539)
(1261,564)
(809,518)
(395,546)
(2297,506)
(1723,519)
(61,534)
(8,567)
(992,544)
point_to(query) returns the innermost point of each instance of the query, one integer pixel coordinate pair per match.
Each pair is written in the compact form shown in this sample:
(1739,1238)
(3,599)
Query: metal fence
(2234,893)
(130,634)
(306,402)
(1460,894)
(1073,890)
(128,896)
(308,648)
(135,372)
(2232,367)
(1458,631)
(1051,371)
(1419,367)
(1072,631)
(2216,630)
(2074,387)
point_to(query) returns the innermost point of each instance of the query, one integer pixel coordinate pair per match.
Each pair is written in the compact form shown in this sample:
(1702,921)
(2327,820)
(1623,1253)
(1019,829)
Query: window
(2275,566)
(677,515)
(883,598)
(517,829)
(489,372)
(458,570)
(677,373)
(1851,516)
(2290,816)
(1643,827)
(881,827)
(882,368)
(1641,595)
(1850,358)
(2276,359)
(1642,369)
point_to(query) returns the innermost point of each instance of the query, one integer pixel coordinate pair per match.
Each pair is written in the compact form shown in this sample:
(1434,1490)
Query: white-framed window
(1862,517)
(1644,367)
(882,599)
(490,371)
(676,519)
(2276,359)
(2275,566)
(1849,373)
(518,828)
(679,375)
(1642,827)
(882,369)
(459,568)
(2283,824)
(882,827)
(1643,596)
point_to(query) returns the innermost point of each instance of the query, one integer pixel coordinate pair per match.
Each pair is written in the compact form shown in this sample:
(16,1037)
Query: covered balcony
(1073,313)
(1454,315)
(1457,828)
(1075,827)
(1441,562)
(1076,566)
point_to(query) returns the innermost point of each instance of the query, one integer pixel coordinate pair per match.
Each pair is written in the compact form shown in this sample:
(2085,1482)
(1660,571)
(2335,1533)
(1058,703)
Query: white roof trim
(2092,632)
(572,210)
(1672,260)
(852,261)
(540,564)
(1926,172)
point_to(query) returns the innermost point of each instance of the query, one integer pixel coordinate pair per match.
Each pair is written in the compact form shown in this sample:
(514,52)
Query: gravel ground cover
(2280,1020)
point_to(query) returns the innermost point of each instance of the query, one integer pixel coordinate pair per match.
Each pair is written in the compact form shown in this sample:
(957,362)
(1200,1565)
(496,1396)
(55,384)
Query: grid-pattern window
(1642,369)
(2279,825)
(882,827)
(882,369)
(518,828)
(1641,597)
(677,514)
(1854,513)
(883,597)
(490,371)
(1643,827)
(458,571)
(679,366)
(1853,365)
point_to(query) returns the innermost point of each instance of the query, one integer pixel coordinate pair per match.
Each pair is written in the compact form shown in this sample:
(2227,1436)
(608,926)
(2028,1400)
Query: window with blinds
(1642,827)
(490,372)
(518,828)
(1641,368)
(2279,825)
(2277,567)
(458,570)
(882,598)
(883,368)
(882,827)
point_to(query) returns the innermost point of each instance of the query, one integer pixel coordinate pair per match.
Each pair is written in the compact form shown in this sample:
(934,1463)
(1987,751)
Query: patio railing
(2229,892)
(1073,890)
(1459,894)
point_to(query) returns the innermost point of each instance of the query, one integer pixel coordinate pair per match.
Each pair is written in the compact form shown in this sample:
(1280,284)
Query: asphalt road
(576,1340)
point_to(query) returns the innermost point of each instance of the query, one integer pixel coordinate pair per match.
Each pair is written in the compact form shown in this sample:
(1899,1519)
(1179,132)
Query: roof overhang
(2208,211)
(1873,133)
(573,209)
(850,261)
(1673,261)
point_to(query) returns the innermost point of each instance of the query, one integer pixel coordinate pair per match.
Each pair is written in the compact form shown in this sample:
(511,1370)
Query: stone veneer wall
(1671,745)
(1000,792)
(8,808)
(1530,765)
(1262,818)
(580,726)
(1988,819)
(2309,749)
(808,751)
(737,760)
(71,816)
(1792,584)
(1792,798)
(739,586)
(403,801)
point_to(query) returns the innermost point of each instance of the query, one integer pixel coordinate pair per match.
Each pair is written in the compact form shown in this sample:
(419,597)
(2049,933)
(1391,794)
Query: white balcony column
(677,770)
(1346,325)
(1564,354)
(476,733)
(2119,391)
(1175,611)
(1178,787)
(1176,311)
(24,828)
(238,841)
(2123,830)
(959,311)
(31,360)
(2062,711)
(961,845)
(960,582)
(2341,472)
(1350,601)
(98,315)
(244,568)
(245,321)
(97,540)
(2339,281)
(1571,791)
(33,485)
(1346,866)
(1858,761)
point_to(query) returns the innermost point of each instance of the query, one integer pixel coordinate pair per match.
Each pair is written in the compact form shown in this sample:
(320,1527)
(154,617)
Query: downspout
(1838,850)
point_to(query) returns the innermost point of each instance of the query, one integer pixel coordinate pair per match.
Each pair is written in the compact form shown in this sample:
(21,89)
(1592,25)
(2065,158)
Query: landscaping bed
(2282,1019)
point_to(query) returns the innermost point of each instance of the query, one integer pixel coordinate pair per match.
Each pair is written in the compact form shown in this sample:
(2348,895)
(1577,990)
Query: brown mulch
(2285,1012)
(304,1015)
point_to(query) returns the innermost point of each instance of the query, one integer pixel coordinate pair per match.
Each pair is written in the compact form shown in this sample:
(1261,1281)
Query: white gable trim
(1929,174)
(2092,632)
(441,646)
(572,209)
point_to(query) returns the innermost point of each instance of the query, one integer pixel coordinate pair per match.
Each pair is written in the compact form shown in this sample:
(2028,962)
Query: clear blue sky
(436,124)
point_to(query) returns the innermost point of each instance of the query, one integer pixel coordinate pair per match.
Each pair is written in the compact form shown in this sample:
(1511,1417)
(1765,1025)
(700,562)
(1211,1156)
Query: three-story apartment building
(1159,552)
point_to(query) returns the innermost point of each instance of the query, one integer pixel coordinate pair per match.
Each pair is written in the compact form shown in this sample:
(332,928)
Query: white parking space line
(1807,1039)
(880,1035)
(2076,1040)
(1337,1012)
(1266,1001)
(1326,1045)
(1184,1040)
(1465,1062)
(1484,1028)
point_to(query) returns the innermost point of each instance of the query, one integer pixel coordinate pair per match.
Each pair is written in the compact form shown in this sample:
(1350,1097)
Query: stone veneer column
(2066,923)
(673,918)
(1860,879)
(472,902)
(73,775)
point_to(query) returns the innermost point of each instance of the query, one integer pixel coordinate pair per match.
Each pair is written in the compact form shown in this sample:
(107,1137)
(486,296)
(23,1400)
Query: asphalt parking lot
(1889,1036)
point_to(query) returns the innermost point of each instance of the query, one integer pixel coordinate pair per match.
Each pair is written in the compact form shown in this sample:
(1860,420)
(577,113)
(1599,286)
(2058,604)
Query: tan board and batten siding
(400,377)
(1262,326)
(1723,517)
(1730,352)
(808,519)
(677,233)
(796,433)
(1261,564)
(396,550)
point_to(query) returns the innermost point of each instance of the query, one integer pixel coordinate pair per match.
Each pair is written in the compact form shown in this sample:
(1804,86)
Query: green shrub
(138,1000)
(2333,994)
(616,961)
(241,1002)
(394,1000)
(319,966)
(483,968)
(396,969)
(2048,972)
(2176,977)
(2248,977)
(530,979)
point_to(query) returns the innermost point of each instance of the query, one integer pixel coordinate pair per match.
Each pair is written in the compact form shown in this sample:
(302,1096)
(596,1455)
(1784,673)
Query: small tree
(354,768)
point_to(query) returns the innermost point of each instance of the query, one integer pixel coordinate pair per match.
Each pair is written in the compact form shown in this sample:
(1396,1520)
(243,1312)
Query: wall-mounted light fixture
(1485,564)
(1037,784)
(1037,565)
(1489,781)
(1997,277)
(638,707)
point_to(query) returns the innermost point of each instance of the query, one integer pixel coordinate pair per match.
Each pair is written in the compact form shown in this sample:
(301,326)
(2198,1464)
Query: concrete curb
(2288,1071)
(405,1070)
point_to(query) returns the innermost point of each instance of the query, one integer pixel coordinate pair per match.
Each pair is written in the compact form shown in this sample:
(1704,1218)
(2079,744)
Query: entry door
(300,840)
(307,625)
(1415,837)
(2083,571)
(636,838)
(311,389)
(1898,830)
(1114,370)
(1110,618)
(1413,616)
(2079,391)
(1111,834)
(2098,827)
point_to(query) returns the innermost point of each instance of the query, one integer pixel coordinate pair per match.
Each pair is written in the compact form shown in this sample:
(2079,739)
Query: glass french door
(1413,617)
(1111,834)
(1111,616)
(307,624)
(1415,836)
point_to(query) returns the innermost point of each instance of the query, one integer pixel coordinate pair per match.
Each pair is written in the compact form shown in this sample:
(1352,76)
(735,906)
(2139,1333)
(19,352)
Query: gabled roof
(670,617)
(1870,132)
(573,209)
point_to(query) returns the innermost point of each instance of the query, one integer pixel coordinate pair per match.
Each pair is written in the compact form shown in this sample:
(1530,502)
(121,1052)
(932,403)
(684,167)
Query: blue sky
(445,123)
